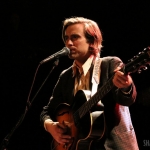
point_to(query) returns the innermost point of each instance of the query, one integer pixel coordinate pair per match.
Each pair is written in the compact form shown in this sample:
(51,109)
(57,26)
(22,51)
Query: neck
(79,64)
(81,61)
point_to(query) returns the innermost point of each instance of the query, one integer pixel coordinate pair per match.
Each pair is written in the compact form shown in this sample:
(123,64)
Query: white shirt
(82,80)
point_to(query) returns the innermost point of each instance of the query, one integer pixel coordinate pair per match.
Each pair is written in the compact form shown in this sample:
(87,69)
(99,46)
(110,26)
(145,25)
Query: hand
(121,80)
(58,131)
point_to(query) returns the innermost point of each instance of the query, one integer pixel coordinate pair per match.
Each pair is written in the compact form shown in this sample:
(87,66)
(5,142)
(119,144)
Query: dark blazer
(120,133)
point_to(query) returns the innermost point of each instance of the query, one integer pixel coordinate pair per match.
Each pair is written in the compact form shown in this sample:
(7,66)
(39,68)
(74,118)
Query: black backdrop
(31,31)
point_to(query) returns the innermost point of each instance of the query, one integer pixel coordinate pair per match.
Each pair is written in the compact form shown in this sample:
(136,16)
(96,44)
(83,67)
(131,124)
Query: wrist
(47,122)
(127,91)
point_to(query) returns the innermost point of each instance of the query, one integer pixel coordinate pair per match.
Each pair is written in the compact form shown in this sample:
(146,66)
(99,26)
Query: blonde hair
(91,29)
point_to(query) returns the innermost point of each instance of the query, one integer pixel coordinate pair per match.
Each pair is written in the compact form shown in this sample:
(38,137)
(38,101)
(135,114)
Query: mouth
(72,51)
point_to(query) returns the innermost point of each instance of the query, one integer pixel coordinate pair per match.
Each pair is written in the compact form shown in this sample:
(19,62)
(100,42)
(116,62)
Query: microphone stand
(6,140)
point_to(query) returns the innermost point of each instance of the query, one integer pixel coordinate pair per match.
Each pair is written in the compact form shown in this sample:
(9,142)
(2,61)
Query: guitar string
(104,89)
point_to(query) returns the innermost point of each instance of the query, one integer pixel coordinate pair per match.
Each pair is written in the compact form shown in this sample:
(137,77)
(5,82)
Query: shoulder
(110,58)
(66,72)
(111,61)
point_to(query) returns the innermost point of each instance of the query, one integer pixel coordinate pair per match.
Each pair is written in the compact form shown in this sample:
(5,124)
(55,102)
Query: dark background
(31,31)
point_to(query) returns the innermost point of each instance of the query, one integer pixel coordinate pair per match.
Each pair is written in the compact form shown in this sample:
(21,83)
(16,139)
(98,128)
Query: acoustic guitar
(85,126)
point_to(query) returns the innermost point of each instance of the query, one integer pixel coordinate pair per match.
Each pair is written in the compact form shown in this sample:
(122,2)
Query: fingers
(117,69)
(61,135)
(62,125)
(121,80)
(59,132)
(62,128)
(63,139)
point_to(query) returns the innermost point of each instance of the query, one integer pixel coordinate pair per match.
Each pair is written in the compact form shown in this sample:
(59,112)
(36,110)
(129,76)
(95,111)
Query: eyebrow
(74,34)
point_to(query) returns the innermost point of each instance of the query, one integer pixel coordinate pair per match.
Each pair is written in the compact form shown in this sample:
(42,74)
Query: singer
(76,118)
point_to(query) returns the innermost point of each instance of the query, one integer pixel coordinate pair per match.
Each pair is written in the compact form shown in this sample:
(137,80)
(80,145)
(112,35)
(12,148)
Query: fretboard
(95,98)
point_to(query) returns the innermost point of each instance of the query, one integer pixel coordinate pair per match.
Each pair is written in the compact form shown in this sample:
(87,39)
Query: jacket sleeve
(125,99)
(61,94)
(110,63)
(55,99)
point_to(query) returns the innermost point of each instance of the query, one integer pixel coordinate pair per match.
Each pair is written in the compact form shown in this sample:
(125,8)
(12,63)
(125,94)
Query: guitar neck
(86,107)
(135,64)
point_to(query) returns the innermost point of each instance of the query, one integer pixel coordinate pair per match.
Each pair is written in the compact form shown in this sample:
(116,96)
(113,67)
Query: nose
(69,42)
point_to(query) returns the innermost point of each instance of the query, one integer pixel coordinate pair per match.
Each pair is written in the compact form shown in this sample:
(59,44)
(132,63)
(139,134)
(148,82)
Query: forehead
(75,29)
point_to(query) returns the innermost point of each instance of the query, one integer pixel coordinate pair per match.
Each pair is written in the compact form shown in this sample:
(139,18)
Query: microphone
(63,52)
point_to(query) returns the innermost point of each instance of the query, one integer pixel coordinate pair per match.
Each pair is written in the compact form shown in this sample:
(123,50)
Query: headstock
(138,62)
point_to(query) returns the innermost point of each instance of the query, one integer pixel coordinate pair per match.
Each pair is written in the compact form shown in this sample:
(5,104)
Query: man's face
(76,41)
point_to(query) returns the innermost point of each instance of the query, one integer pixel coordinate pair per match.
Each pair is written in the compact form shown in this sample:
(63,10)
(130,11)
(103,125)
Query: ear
(91,47)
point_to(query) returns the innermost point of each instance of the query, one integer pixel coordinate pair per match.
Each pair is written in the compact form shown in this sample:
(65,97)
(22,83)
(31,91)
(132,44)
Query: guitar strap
(96,75)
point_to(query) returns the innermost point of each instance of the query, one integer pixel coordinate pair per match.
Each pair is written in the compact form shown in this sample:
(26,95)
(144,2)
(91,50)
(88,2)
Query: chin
(72,57)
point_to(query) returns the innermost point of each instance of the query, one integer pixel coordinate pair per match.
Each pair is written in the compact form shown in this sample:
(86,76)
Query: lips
(72,51)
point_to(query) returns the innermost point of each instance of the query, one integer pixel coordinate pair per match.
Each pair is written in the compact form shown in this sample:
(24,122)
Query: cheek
(83,43)
(76,43)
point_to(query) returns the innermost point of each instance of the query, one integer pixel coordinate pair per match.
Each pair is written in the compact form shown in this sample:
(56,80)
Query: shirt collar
(85,67)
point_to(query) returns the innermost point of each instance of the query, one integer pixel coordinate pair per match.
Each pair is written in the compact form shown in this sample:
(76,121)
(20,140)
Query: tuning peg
(139,71)
(130,60)
(139,53)
(135,57)
(145,49)
(145,68)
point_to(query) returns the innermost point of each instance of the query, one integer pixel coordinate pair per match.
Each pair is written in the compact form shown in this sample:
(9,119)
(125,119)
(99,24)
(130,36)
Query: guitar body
(82,130)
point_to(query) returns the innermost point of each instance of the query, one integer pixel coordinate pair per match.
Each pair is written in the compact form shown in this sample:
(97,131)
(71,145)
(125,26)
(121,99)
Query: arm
(47,117)
(110,68)
(125,88)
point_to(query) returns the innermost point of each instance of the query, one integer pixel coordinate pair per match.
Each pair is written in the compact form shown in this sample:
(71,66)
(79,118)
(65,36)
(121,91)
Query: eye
(65,38)
(74,37)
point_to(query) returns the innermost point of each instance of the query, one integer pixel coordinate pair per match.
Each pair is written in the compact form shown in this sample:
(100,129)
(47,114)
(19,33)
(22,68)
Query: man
(83,37)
